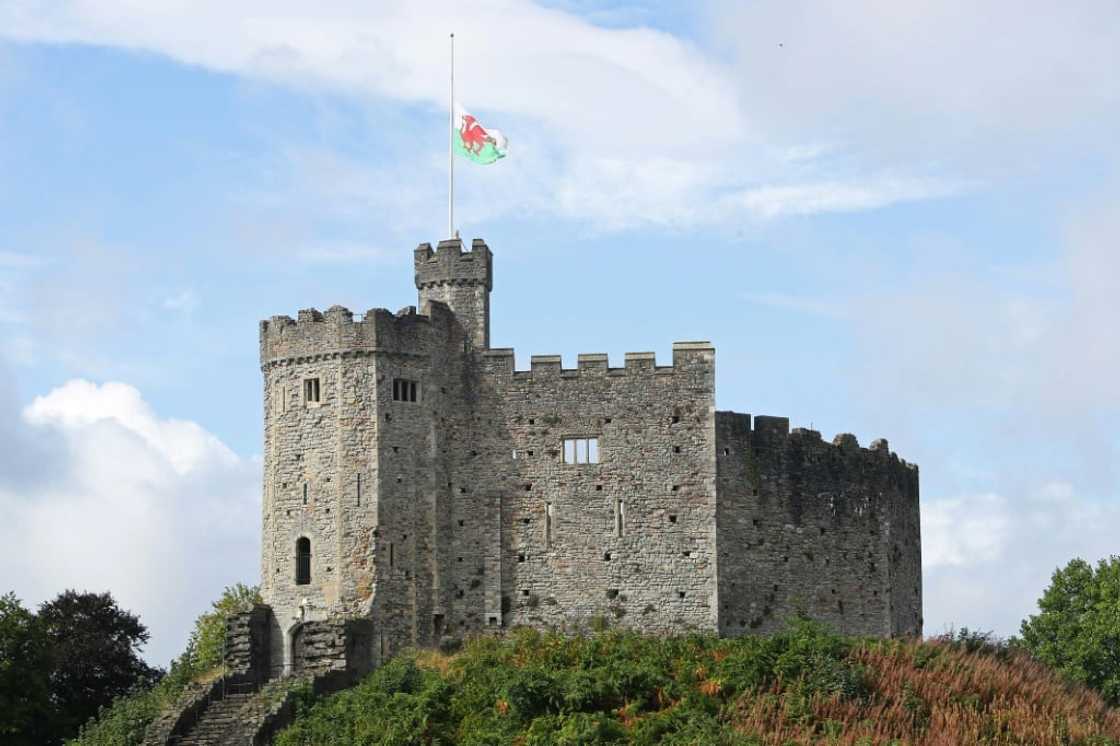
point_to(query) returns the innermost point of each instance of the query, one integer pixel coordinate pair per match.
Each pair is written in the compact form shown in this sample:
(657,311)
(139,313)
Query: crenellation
(445,493)
(592,361)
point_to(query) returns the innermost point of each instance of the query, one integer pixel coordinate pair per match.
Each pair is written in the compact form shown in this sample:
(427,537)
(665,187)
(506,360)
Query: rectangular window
(405,390)
(311,390)
(581,450)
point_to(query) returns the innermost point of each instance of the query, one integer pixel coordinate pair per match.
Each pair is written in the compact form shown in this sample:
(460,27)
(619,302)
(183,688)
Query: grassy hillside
(804,686)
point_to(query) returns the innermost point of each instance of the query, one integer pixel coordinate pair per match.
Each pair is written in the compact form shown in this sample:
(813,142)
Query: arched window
(303,561)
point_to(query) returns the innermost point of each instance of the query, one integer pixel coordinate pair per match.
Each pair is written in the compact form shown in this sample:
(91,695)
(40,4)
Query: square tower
(462,280)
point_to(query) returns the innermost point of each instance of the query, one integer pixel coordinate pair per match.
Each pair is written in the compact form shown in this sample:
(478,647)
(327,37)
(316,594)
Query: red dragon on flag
(475,142)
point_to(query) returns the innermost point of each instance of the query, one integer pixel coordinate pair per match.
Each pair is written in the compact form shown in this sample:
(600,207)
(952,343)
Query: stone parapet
(316,335)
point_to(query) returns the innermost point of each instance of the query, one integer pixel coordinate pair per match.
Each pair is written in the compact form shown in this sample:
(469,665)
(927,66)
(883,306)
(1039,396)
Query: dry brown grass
(939,696)
(434,660)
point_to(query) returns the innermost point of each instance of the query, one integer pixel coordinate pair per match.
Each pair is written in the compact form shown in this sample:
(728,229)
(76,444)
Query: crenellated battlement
(314,333)
(691,355)
(448,264)
(768,431)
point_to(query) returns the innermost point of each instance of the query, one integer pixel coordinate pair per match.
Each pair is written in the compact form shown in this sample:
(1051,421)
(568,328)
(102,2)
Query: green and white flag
(475,142)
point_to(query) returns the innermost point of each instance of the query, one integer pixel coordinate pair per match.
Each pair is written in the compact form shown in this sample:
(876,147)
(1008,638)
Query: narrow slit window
(311,390)
(405,389)
(548,525)
(620,517)
(581,450)
(359,489)
(391,554)
(280,400)
(303,561)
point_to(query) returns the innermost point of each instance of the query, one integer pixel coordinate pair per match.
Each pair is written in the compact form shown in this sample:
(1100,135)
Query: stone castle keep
(418,487)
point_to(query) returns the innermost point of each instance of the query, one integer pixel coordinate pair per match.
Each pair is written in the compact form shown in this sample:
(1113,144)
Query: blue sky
(898,221)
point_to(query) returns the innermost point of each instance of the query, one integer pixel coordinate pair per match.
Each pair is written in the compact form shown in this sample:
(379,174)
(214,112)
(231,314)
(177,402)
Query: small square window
(311,390)
(405,390)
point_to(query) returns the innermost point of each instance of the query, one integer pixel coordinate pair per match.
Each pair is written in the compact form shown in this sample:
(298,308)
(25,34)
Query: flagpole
(451,148)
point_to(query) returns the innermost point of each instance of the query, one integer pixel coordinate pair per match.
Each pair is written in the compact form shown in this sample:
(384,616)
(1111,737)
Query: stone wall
(247,647)
(630,538)
(823,529)
(336,645)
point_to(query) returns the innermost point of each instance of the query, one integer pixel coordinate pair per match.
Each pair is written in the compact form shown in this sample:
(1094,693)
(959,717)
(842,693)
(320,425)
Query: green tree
(208,637)
(95,656)
(124,723)
(1077,629)
(24,667)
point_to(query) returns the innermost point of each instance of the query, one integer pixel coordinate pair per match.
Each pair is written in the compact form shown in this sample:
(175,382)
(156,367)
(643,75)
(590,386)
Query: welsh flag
(475,142)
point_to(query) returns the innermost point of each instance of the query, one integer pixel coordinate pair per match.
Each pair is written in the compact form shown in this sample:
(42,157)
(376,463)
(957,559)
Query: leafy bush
(209,634)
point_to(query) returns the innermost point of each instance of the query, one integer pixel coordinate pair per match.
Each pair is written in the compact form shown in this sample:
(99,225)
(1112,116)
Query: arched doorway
(298,649)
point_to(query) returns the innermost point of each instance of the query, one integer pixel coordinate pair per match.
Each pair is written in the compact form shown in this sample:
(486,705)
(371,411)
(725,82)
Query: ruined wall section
(538,541)
(810,527)
(352,472)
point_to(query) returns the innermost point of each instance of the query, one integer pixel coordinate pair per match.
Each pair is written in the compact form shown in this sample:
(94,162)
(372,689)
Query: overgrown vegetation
(123,723)
(803,686)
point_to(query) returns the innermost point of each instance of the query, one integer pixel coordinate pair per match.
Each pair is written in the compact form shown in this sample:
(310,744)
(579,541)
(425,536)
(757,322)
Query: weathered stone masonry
(428,476)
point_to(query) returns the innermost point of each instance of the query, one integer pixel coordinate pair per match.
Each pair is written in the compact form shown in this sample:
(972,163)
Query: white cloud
(184,301)
(158,511)
(964,531)
(940,78)
(1035,359)
(814,306)
(808,199)
(639,127)
(513,56)
(987,558)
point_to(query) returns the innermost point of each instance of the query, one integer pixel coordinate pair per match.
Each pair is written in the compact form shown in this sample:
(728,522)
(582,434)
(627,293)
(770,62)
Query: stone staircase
(249,703)
(218,717)
(219,723)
